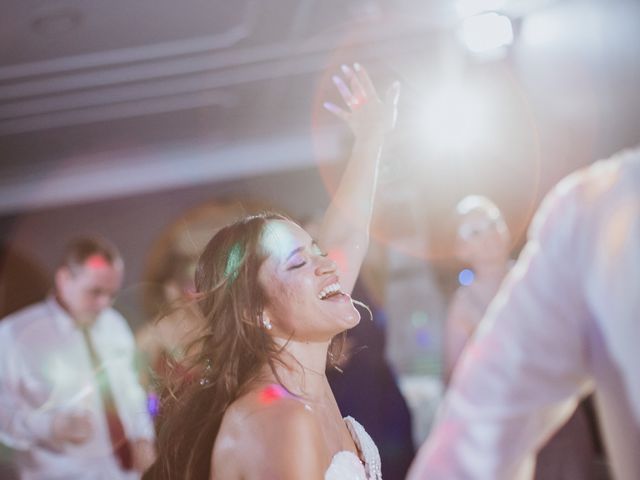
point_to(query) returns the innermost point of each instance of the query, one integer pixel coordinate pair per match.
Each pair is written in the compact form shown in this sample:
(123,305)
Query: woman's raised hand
(366,113)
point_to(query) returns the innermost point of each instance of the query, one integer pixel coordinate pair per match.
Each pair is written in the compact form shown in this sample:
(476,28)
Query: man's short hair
(79,249)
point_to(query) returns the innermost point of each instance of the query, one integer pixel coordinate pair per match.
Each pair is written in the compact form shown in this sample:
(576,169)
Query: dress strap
(366,447)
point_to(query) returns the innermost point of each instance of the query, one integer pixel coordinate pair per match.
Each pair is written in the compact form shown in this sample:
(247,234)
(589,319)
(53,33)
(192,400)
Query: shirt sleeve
(525,369)
(613,273)
(21,425)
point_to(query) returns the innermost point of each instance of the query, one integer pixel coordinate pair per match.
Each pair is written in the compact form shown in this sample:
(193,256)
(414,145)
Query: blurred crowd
(526,344)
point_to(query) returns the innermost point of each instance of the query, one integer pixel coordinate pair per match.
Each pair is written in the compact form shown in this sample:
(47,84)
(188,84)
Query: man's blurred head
(88,278)
(482,235)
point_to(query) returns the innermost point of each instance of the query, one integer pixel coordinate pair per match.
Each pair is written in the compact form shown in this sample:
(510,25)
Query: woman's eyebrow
(301,248)
(294,251)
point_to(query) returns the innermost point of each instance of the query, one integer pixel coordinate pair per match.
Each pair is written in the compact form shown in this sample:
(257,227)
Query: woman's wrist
(371,140)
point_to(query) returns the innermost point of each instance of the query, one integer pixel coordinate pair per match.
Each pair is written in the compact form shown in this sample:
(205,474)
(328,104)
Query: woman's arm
(345,227)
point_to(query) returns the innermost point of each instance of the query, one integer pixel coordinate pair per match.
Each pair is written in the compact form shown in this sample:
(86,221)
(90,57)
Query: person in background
(564,323)
(483,242)
(164,341)
(71,406)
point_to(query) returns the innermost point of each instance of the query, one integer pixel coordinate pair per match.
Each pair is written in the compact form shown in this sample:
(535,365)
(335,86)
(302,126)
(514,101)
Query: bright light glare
(457,119)
(542,29)
(466,8)
(485,32)
(466,277)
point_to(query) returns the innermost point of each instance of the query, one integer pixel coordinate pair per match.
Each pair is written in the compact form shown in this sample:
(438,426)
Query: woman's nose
(325,265)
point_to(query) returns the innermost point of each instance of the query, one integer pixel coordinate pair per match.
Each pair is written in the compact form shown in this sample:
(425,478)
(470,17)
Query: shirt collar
(61,317)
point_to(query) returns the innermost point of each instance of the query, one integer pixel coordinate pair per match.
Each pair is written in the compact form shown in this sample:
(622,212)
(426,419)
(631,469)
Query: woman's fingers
(366,111)
(337,111)
(357,89)
(393,94)
(364,80)
(345,93)
(391,100)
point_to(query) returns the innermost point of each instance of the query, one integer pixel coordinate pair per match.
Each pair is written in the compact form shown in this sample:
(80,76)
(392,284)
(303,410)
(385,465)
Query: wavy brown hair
(228,355)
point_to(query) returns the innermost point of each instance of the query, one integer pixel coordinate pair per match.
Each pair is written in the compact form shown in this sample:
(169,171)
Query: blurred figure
(70,403)
(164,342)
(483,242)
(565,322)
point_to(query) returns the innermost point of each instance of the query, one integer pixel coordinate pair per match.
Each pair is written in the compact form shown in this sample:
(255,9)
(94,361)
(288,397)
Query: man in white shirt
(565,322)
(70,403)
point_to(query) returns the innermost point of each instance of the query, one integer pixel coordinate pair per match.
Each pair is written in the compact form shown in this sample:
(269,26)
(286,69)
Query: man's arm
(21,426)
(524,371)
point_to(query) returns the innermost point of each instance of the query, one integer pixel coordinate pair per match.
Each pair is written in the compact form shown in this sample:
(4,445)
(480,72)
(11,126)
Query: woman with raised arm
(275,304)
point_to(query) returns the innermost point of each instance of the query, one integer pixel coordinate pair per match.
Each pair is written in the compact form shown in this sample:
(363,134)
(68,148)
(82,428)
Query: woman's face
(302,286)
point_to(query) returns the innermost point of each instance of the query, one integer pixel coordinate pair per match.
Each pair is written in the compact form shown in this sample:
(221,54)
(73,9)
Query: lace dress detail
(346,465)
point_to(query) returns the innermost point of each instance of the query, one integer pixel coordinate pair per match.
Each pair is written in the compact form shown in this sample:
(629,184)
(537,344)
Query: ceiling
(85,86)
(69,62)
(102,99)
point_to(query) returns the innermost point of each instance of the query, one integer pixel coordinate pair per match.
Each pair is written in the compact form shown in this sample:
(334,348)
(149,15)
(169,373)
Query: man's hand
(72,427)
(144,454)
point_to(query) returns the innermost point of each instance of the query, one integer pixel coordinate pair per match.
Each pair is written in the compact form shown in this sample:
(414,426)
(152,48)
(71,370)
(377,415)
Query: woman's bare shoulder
(268,409)
(268,430)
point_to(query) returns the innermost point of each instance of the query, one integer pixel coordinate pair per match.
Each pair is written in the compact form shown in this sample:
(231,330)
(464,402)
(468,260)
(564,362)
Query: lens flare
(272,393)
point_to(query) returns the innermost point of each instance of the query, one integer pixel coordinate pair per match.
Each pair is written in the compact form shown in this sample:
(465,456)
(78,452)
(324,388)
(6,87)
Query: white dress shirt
(565,322)
(45,368)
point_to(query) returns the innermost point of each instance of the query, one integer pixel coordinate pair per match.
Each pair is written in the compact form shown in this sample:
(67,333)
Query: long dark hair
(228,355)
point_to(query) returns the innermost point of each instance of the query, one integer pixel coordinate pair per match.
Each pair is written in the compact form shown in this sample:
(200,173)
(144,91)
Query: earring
(266,323)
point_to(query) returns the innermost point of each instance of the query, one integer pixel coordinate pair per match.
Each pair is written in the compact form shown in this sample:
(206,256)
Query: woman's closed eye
(302,263)
(297,260)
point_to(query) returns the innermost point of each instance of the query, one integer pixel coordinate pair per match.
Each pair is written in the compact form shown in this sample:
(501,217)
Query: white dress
(346,465)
